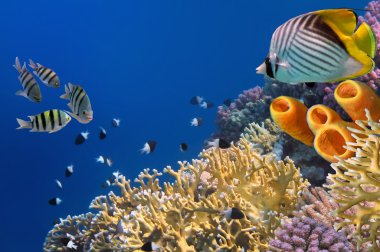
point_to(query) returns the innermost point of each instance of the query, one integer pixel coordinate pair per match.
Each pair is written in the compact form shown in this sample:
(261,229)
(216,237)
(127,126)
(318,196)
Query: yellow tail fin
(365,39)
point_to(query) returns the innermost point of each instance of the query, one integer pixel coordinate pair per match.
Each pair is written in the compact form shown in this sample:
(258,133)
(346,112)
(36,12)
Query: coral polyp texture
(356,185)
(251,106)
(305,234)
(229,200)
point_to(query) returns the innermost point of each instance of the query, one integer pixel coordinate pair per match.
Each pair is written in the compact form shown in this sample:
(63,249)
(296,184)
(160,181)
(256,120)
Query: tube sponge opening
(290,115)
(354,97)
(330,141)
(320,115)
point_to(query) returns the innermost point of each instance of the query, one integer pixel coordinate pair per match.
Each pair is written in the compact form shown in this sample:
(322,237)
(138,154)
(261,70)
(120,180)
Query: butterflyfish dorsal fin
(365,39)
(342,21)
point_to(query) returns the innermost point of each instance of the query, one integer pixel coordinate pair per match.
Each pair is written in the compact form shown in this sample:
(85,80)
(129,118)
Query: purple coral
(251,106)
(306,234)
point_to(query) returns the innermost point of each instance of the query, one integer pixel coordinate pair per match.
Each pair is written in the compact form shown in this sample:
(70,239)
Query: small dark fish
(196,122)
(106,184)
(183,147)
(196,100)
(69,171)
(116,122)
(150,246)
(310,84)
(219,143)
(227,102)
(102,134)
(149,147)
(109,162)
(55,201)
(81,138)
(206,105)
(234,213)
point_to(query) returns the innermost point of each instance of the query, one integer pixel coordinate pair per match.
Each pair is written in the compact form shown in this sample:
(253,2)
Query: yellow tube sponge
(356,184)
(330,140)
(354,97)
(290,115)
(320,115)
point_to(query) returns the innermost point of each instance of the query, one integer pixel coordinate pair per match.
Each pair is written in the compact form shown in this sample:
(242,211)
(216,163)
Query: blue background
(138,60)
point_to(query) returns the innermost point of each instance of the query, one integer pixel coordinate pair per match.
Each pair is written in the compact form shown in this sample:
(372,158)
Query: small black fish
(310,84)
(149,147)
(196,122)
(106,184)
(219,143)
(55,201)
(234,213)
(102,133)
(150,246)
(183,147)
(206,105)
(227,102)
(69,171)
(196,100)
(81,138)
(115,122)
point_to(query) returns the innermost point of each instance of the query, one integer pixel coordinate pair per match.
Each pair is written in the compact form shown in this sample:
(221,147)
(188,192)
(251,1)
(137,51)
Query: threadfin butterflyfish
(320,46)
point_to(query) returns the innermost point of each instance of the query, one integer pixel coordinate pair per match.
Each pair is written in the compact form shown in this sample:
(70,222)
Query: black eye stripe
(268,67)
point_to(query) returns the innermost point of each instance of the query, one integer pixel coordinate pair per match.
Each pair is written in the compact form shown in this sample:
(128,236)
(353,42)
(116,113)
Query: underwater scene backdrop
(145,63)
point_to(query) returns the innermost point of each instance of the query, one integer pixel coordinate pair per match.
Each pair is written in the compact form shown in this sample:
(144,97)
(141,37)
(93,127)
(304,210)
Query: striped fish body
(30,88)
(320,46)
(50,121)
(79,104)
(46,75)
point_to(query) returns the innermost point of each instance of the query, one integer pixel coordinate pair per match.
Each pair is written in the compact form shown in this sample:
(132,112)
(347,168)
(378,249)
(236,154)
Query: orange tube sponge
(354,97)
(290,115)
(331,138)
(320,115)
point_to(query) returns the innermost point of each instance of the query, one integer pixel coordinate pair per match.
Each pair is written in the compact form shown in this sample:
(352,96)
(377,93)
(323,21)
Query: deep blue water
(140,61)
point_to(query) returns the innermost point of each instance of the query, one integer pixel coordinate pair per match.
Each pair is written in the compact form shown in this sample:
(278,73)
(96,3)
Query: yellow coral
(356,184)
(191,214)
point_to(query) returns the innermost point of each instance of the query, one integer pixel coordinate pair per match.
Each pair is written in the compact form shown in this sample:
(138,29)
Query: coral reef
(229,200)
(305,234)
(251,106)
(356,184)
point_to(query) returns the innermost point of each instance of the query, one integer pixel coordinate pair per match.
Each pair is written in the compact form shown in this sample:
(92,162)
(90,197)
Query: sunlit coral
(356,184)
(194,212)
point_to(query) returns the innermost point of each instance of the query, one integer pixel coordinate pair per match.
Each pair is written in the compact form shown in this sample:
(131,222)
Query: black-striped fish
(79,104)
(45,74)
(30,88)
(49,121)
(320,46)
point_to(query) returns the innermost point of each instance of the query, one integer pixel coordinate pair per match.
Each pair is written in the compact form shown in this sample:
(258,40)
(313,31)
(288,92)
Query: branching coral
(263,137)
(356,184)
(194,213)
(305,234)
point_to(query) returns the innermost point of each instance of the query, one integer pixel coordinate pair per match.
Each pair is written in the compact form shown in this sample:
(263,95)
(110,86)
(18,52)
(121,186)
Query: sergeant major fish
(31,89)
(79,103)
(320,46)
(46,75)
(50,121)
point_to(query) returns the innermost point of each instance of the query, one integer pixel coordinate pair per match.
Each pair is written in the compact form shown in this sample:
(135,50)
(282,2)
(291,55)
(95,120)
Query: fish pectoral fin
(73,115)
(70,106)
(20,93)
(340,20)
(365,39)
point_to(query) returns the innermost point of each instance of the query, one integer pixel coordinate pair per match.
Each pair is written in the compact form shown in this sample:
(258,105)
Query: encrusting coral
(229,200)
(356,184)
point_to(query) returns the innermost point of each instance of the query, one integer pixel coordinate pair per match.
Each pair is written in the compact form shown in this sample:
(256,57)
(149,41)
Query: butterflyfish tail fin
(342,21)
(365,39)
(24,124)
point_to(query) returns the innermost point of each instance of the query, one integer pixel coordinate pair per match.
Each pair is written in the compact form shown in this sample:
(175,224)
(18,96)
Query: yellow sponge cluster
(321,126)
